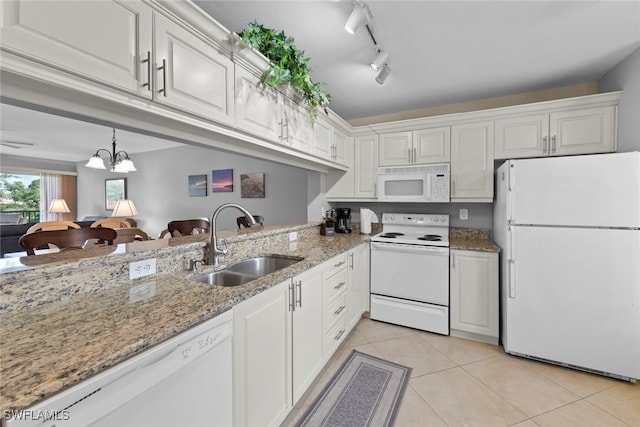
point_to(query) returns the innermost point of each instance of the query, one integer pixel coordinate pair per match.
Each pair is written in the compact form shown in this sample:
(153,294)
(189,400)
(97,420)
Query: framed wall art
(197,185)
(222,181)
(252,185)
(114,189)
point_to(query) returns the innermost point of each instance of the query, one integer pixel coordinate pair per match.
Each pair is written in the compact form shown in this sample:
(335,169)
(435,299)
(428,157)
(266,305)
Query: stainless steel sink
(263,265)
(224,278)
(247,270)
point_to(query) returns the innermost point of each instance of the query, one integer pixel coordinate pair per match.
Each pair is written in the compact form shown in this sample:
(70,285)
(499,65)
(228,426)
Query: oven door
(413,272)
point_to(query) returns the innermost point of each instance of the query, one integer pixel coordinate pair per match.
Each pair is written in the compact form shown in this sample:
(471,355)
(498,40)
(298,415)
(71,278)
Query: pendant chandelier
(119,160)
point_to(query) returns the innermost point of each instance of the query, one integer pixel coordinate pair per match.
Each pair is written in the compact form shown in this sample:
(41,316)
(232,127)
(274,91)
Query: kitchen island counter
(52,345)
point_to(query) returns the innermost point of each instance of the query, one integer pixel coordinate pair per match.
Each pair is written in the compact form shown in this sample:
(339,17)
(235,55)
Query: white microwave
(424,183)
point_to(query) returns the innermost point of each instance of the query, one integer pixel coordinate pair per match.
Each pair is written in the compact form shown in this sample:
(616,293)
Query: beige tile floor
(457,382)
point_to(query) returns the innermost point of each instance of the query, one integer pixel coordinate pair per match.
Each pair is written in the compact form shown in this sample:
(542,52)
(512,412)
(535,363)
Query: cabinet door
(472,162)
(474,293)
(357,284)
(340,184)
(307,331)
(297,131)
(257,108)
(262,358)
(520,137)
(341,153)
(395,149)
(432,145)
(322,139)
(104,41)
(584,131)
(365,165)
(191,74)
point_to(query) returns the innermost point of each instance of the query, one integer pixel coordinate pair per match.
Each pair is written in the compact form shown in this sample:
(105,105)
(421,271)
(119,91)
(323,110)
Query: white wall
(159,188)
(626,77)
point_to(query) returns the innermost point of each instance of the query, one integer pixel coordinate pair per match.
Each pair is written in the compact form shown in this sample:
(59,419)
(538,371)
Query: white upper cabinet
(191,74)
(106,41)
(329,141)
(361,179)
(417,147)
(472,162)
(257,106)
(574,131)
(298,131)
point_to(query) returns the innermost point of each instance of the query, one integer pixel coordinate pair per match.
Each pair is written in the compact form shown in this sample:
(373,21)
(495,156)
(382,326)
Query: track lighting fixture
(357,17)
(379,60)
(383,74)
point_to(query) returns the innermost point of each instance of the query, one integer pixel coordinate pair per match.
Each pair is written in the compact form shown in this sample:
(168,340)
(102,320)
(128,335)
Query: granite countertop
(471,239)
(50,347)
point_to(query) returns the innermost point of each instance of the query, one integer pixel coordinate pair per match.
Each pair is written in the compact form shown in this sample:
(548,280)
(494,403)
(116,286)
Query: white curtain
(54,186)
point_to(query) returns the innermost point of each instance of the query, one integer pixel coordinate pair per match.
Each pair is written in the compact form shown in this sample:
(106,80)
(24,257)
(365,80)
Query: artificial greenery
(288,65)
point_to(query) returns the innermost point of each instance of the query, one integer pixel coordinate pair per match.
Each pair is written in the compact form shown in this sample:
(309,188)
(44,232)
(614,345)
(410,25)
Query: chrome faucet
(214,251)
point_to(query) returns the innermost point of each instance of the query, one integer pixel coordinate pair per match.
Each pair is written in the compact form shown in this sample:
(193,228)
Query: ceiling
(441,52)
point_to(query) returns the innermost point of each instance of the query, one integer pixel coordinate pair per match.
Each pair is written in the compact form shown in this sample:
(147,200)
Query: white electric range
(410,271)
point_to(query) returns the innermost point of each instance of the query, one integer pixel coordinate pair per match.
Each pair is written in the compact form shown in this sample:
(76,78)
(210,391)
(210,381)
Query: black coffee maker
(343,220)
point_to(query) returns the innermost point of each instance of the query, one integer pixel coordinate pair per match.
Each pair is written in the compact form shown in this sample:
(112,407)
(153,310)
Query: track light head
(357,17)
(380,59)
(383,74)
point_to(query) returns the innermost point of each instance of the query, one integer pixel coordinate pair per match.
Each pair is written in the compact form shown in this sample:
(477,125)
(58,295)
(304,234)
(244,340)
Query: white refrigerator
(569,230)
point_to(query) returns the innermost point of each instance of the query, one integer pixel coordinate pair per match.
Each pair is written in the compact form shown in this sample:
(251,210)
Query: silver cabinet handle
(292,305)
(286,133)
(338,264)
(148,61)
(409,154)
(281,131)
(337,337)
(351,260)
(553,144)
(339,285)
(338,311)
(299,285)
(544,145)
(164,77)
(415,155)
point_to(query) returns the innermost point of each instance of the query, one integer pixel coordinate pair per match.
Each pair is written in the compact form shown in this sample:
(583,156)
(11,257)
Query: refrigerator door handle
(511,263)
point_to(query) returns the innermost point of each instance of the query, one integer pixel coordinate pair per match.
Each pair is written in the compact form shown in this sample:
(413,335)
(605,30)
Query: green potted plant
(288,65)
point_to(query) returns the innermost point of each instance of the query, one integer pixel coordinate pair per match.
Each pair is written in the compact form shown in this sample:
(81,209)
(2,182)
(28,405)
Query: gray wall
(159,188)
(626,77)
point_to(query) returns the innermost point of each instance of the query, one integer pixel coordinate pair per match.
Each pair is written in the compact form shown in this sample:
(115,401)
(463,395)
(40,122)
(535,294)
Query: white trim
(32,171)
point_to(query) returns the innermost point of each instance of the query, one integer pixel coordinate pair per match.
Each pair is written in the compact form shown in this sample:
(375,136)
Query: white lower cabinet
(262,358)
(278,349)
(474,295)
(284,336)
(358,284)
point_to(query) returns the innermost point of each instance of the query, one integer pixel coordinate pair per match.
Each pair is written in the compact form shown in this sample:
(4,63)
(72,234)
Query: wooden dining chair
(52,225)
(64,239)
(188,226)
(242,221)
(112,222)
(129,234)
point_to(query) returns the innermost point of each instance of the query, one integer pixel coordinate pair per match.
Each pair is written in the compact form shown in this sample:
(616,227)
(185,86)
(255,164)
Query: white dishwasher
(184,381)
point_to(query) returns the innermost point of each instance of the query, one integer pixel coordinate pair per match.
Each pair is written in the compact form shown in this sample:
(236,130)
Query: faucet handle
(223,247)
(193,264)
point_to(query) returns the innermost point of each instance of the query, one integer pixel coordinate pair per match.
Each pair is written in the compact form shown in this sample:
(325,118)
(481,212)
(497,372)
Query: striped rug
(366,391)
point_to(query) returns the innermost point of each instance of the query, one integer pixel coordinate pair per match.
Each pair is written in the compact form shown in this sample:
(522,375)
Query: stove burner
(431,237)
(391,235)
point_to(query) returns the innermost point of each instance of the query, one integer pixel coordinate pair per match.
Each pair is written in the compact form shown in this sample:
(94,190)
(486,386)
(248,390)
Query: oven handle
(435,250)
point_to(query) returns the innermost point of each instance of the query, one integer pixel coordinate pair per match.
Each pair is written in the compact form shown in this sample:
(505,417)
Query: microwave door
(403,188)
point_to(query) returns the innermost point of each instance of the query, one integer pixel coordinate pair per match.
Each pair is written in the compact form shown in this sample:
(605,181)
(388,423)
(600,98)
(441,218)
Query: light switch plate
(464,214)
(142,268)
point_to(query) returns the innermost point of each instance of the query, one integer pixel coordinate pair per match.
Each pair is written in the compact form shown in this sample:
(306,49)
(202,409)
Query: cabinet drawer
(334,265)
(335,336)
(334,310)
(334,286)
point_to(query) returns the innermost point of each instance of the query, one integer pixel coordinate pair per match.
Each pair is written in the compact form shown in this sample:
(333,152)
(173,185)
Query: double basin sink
(245,271)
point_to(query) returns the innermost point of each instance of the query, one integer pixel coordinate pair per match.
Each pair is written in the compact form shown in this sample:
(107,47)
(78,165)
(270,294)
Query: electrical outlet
(142,268)
(293,236)
(464,214)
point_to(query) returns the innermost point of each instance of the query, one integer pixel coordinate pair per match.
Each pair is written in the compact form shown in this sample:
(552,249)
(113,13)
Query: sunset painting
(222,181)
